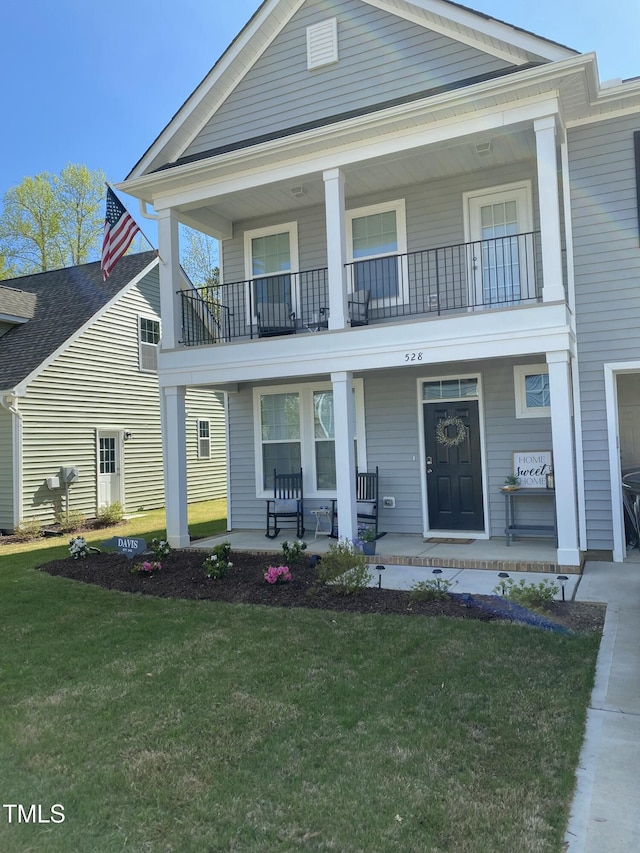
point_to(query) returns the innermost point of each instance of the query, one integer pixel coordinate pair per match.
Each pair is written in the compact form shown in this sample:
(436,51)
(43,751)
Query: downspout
(9,401)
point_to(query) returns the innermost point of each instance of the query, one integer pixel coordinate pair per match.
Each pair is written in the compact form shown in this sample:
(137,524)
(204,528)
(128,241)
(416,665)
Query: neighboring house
(431,261)
(79,389)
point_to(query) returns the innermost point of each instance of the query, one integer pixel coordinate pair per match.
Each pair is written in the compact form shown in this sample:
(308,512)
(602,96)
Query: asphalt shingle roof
(64,301)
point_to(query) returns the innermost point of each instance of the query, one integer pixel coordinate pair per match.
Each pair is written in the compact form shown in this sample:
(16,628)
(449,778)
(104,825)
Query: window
(204,439)
(107,450)
(322,44)
(532,397)
(149,338)
(295,429)
(376,242)
(271,261)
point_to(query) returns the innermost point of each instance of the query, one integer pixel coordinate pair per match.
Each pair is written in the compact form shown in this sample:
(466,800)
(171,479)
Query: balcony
(490,274)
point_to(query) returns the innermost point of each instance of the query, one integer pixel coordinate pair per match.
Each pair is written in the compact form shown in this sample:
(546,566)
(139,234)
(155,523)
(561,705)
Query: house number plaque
(412,356)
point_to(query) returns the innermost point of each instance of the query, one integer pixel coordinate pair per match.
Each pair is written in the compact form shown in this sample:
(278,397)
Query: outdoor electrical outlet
(390,503)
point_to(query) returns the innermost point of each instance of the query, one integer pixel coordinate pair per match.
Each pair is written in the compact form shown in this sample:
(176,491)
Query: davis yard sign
(532,467)
(129,546)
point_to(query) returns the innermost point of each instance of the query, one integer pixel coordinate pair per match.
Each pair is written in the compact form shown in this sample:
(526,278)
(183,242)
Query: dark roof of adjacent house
(62,302)
(16,305)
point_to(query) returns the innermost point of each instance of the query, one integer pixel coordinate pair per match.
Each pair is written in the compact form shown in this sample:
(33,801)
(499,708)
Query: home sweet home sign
(531,467)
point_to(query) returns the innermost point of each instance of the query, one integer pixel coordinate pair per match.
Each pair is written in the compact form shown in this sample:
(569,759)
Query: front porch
(523,555)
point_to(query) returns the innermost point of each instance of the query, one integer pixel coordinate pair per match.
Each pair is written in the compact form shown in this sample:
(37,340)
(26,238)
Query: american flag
(119,231)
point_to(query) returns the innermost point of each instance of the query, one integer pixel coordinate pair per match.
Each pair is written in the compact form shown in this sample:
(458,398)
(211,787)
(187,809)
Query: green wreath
(450,441)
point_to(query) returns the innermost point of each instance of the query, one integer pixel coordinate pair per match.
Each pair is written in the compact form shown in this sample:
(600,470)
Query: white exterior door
(109,468)
(501,256)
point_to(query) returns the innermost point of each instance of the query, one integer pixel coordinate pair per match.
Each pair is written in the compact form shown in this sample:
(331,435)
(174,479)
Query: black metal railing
(494,273)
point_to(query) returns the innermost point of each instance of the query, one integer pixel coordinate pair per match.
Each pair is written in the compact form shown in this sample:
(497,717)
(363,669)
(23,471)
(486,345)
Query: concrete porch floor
(524,555)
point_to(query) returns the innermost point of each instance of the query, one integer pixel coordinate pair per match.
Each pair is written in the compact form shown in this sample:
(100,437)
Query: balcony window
(271,257)
(377,239)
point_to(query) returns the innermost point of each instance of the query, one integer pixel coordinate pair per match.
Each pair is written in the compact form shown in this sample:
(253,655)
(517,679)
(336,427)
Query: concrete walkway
(605,815)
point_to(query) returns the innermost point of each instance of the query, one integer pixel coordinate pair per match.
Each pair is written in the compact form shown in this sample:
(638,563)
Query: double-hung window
(377,246)
(149,339)
(271,263)
(295,428)
(204,439)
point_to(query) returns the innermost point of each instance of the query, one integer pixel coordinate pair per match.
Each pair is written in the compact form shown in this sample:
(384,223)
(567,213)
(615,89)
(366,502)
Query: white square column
(174,452)
(345,430)
(549,204)
(169,273)
(336,248)
(564,468)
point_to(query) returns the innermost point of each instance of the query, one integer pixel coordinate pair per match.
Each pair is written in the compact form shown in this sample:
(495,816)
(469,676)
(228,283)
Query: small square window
(531,386)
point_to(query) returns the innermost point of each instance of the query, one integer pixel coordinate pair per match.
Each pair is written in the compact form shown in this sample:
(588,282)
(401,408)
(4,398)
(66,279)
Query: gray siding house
(79,389)
(430,264)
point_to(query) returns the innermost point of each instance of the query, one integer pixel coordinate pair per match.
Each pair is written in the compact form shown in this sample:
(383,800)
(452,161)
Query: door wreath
(442,436)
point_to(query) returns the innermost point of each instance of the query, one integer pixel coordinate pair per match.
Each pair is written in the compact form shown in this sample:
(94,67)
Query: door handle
(429,470)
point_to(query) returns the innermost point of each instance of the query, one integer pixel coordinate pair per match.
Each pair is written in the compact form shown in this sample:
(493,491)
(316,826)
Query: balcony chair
(358,305)
(275,318)
(286,503)
(367,503)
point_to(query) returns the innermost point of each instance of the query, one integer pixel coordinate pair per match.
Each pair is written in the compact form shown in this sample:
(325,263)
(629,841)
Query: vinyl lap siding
(6,470)
(381,57)
(607,272)
(96,384)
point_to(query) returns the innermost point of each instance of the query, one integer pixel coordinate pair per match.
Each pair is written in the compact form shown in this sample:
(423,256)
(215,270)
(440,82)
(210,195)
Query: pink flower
(277,574)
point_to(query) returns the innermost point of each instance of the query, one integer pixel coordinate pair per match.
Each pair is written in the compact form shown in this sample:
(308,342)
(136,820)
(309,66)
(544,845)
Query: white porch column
(549,203)
(345,430)
(169,271)
(564,468)
(336,248)
(174,451)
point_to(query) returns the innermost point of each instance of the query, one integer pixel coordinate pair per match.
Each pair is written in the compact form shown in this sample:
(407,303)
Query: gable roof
(63,301)
(512,44)
(16,306)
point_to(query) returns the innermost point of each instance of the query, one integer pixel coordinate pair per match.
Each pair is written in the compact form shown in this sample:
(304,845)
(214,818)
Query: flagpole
(109,187)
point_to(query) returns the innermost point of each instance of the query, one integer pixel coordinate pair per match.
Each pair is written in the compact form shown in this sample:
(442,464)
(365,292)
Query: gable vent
(322,44)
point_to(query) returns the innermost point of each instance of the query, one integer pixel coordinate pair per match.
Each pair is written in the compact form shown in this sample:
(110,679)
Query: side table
(323,521)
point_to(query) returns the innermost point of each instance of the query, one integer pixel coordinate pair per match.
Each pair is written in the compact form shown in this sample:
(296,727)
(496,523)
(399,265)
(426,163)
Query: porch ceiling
(429,163)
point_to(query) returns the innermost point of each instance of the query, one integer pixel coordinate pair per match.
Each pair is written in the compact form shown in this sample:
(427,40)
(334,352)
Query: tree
(50,221)
(6,271)
(199,258)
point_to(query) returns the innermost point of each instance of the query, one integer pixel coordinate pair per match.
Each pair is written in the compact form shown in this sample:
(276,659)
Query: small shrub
(27,530)
(148,567)
(160,548)
(536,596)
(109,515)
(277,574)
(366,533)
(435,589)
(218,564)
(80,550)
(70,521)
(345,568)
(294,552)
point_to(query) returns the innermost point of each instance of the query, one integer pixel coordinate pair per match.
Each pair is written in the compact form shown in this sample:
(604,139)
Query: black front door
(454,471)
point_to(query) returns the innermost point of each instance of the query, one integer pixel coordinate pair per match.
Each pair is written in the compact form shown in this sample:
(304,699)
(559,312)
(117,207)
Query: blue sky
(85,82)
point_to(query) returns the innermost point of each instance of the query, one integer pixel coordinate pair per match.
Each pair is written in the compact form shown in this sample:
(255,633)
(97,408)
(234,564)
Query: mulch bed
(182,576)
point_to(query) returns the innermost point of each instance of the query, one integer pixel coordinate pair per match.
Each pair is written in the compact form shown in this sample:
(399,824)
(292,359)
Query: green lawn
(194,726)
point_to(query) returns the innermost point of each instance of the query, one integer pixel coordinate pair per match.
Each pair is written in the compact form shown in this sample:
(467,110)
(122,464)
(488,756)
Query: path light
(563,579)
(503,580)
(380,570)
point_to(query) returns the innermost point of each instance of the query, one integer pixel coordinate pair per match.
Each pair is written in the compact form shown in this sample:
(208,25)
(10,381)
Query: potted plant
(511,483)
(367,538)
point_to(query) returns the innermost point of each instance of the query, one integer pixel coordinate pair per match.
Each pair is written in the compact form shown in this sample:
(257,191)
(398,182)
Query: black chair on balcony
(287,503)
(358,305)
(275,318)
(367,503)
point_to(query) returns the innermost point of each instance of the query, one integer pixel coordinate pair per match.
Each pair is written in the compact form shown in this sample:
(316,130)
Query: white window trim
(292,229)
(142,343)
(399,207)
(307,439)
(199,439)
(520,371)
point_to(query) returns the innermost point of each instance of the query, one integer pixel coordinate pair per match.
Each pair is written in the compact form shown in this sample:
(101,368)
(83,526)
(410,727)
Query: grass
(185,726)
